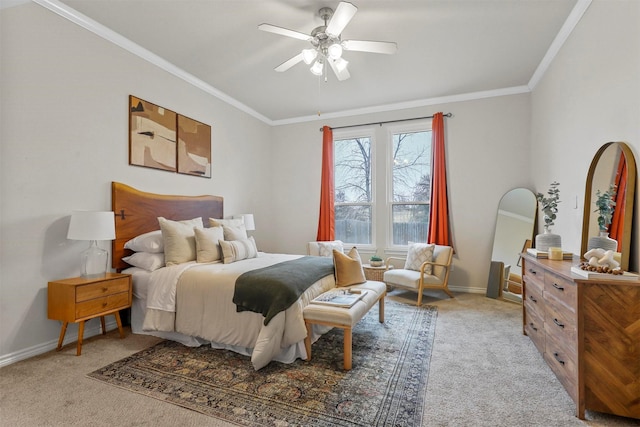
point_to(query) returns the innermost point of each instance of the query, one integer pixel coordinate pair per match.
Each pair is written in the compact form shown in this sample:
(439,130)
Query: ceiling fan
(327,45)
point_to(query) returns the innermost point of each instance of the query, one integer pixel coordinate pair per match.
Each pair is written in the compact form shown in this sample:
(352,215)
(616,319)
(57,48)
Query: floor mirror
(514,230)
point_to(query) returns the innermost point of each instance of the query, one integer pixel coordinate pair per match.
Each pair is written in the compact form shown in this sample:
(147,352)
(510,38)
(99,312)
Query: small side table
(80,299)
(374,273)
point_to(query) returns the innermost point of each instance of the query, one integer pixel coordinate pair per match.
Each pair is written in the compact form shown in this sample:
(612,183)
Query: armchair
(420,280)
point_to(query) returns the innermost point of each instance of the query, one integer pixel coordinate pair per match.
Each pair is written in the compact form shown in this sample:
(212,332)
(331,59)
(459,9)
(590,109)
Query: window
(353,174)
(382,201)
(411,186)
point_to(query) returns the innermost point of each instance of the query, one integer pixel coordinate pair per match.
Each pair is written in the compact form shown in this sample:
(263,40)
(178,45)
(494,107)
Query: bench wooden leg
(347,348)
(381,308)
(307,340)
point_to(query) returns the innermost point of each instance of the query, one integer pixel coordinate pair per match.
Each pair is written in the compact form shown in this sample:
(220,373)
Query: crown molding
(567,28)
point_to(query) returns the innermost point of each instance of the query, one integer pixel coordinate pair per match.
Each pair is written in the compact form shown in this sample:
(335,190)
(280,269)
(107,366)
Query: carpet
(386,386)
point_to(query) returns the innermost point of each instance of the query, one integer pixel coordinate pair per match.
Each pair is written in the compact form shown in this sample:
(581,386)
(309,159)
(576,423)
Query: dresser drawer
(534,326)
(533,294)
(96,290)
(560,322)
(560,288)
(97,306)
(534,271)
(563,363)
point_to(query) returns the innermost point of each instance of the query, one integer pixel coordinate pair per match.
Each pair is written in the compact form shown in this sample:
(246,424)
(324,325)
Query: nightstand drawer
(100,305)
(101,289)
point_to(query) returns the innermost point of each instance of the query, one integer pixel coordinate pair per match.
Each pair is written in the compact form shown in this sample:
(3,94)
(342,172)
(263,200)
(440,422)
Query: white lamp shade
(249,223)
(91,225)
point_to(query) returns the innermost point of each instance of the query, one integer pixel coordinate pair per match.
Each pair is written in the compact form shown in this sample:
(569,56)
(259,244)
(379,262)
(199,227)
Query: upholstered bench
(345,317)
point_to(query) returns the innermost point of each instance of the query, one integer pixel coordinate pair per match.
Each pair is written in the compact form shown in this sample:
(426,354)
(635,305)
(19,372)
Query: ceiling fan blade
(289,63)
(341,17)
(341,75)
(284,32)
(368,46)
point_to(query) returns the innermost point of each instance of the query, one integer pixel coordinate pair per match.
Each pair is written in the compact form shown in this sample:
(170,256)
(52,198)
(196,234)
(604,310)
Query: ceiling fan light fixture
(317,67)
(335,50)
(308,55)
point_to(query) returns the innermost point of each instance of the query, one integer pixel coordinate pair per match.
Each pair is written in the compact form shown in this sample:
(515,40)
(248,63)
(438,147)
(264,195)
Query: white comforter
(196,300)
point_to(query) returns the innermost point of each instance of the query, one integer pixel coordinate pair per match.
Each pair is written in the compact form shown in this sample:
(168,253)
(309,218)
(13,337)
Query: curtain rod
(388,121)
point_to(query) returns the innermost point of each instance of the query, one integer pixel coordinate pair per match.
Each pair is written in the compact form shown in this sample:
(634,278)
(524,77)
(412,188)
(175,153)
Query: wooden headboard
(137,212)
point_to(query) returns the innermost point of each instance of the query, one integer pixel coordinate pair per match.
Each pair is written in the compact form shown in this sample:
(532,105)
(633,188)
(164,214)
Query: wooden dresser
(588,332)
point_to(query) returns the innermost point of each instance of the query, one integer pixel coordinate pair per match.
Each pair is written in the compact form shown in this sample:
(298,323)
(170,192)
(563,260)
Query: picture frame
(193,147)
(152,135)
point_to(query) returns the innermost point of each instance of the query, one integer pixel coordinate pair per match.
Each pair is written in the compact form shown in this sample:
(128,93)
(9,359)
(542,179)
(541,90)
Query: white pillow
(146,260)
(237,250)
(326,248)
(417,254)
(207,246)
(234,229)
(179,240)
(148,242)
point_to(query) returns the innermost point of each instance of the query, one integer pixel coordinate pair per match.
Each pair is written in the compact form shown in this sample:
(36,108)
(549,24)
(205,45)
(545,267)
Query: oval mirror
(613,164)
(514,230)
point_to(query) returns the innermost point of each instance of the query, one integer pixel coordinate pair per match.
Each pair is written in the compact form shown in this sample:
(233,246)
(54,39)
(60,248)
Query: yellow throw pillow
(348,268)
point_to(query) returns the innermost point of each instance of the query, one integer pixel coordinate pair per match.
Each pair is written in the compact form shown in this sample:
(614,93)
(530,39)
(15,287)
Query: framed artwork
(194,147)
(152,135)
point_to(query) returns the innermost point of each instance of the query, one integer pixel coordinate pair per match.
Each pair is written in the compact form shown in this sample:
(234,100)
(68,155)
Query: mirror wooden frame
(628,200)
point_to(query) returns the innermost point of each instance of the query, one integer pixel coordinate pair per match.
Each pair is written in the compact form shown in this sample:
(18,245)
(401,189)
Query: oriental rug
(386,386)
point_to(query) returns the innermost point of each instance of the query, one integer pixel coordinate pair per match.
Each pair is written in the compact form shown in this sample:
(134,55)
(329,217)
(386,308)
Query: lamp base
(93,261)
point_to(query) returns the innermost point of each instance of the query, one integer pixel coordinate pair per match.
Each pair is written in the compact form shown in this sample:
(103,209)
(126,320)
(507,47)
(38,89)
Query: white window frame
(417,126)
(362,132)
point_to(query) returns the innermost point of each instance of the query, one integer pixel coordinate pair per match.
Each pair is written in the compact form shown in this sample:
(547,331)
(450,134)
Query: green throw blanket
(273,289)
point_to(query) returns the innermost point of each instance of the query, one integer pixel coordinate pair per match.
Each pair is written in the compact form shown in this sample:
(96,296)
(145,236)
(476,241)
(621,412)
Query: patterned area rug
(386,386)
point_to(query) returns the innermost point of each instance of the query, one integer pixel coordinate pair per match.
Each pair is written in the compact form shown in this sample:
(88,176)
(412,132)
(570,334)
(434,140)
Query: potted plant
(376,261)
(549,206)
(605,207)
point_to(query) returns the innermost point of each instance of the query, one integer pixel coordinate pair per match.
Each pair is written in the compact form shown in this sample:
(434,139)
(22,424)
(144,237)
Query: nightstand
(80,299)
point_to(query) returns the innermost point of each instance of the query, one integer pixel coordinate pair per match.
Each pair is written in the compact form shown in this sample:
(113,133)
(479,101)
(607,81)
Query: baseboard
(8,359)
(468,290)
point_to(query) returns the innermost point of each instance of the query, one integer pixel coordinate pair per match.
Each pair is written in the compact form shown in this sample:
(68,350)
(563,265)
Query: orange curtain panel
(439,216)
(617,221)
(326,223)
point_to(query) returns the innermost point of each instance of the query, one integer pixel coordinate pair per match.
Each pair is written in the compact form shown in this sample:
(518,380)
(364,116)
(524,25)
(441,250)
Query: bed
(192,302)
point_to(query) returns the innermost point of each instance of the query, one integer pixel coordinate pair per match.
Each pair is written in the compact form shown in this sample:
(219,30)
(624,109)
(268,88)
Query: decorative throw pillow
(234,229)
(179,240)
(348,268)
(148,242)
(417,254)
(207,246)
(326,248)
(238,250)
(145,260)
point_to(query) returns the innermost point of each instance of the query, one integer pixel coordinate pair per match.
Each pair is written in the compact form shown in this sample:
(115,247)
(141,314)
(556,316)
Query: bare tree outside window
(410,193)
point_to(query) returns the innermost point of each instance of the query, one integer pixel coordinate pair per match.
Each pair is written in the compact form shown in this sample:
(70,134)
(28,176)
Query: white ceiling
(447,49)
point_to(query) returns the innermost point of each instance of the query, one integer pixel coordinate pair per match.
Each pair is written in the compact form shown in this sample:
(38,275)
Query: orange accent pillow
(348,268)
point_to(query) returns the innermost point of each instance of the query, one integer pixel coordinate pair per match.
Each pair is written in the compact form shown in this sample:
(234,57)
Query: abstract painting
(152,135)
(194,147)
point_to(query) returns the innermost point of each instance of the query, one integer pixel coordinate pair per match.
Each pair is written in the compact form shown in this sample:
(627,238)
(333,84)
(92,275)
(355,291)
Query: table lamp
(92,226)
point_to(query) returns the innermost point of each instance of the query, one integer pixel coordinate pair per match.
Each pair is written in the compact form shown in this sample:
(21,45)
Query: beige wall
(589,96)
(64,138)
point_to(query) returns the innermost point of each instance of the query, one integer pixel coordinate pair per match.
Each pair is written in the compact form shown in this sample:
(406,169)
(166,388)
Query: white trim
(26,353)
(516,90)
(115,38)
(565,31)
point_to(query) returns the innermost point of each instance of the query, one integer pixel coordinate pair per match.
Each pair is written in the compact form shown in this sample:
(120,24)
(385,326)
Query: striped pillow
(236,250)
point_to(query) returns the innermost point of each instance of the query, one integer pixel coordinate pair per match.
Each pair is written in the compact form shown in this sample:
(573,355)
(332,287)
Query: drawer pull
(533,327)
(558,323)
(557,356)
(532,271)
(104,304)
(558,287)
(533,299)
(105,289)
